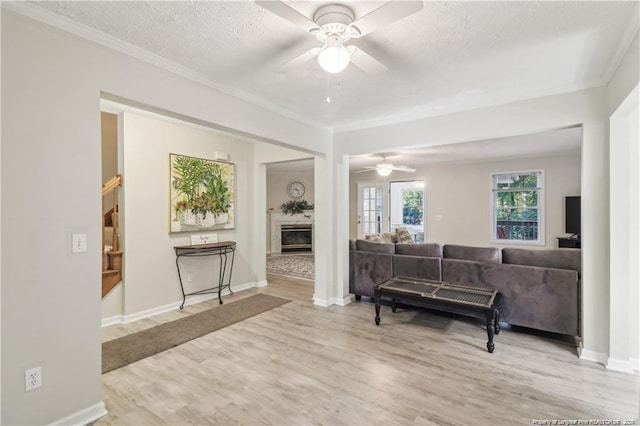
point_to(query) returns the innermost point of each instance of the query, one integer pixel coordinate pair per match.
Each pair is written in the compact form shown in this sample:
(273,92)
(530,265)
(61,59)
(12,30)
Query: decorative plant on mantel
(295,207)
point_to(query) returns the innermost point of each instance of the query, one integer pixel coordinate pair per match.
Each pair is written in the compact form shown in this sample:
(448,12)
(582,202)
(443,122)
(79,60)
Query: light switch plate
(79,243)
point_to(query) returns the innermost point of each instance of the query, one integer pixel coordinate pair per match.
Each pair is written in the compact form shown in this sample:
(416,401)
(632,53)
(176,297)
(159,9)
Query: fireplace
(297,237)
(295,231)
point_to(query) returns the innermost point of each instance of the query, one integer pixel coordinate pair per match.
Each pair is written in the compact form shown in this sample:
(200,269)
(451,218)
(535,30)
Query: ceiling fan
(385,168)
(334,25)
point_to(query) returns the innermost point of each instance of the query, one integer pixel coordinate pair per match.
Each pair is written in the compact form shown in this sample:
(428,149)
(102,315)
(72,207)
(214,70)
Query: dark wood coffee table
(444,296)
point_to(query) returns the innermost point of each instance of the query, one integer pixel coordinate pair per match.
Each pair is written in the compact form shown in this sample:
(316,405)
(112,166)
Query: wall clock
(295,189)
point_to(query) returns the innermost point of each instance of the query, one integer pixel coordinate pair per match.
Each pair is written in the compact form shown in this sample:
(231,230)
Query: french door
(372,208)
(406,207)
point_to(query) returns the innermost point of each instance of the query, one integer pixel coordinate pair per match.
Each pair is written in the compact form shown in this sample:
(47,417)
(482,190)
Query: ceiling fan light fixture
(334,57)
(384,169)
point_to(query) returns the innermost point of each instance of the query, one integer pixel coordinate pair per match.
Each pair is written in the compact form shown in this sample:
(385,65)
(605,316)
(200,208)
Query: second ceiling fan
(334,25)
(385,168)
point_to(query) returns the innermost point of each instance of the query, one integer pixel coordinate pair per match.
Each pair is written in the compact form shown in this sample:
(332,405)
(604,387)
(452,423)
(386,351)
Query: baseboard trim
(262,283)
(84,416)
(116,319)
(345,300)
(622,365)
(589,355)
(191,300)
(331,301)
(635,364)
(321,302)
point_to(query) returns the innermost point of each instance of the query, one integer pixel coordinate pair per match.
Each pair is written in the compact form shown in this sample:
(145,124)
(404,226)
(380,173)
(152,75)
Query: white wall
(51,88)
(150,275)
(458,197)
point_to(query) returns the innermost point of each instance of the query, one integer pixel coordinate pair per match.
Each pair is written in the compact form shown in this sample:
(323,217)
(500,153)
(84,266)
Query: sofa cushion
(367,270)
(428,268)
(403,236)
(364,245)
(479,254)
(541,298)
(421,249)
(552,258)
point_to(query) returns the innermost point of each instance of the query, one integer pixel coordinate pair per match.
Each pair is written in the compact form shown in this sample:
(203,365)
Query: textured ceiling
(450,56)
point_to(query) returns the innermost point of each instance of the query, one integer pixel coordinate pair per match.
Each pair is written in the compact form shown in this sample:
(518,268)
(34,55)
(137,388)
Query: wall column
(624,238)
(595,241)
(341,243)
(324,232)
(260,222)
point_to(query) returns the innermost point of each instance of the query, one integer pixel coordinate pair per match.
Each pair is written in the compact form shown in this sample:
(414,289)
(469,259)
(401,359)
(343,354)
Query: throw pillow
(403,236)
(374,238)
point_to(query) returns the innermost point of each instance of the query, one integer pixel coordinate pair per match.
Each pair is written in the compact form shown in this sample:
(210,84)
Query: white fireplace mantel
(277,219)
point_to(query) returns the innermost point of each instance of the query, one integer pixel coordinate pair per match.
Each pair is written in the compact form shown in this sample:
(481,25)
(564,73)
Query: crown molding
(67,25)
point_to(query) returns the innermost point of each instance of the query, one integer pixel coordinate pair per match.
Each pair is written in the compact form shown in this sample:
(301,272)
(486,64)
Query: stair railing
(112,185)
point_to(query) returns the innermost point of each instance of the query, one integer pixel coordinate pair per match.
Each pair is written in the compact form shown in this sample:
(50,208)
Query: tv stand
(570,242)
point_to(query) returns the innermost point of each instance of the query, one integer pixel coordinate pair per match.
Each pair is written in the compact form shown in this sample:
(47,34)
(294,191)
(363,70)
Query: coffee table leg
(393,306)
(497,321)
(376,296)
(491,321)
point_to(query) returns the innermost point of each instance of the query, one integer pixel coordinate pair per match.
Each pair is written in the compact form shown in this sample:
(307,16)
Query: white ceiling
(450,56)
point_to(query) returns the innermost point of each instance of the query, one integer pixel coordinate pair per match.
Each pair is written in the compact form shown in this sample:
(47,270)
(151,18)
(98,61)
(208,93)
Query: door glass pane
(371,210)
(406,207)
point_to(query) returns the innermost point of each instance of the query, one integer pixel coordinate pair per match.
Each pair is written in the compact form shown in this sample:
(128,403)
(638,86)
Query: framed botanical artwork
(201,194)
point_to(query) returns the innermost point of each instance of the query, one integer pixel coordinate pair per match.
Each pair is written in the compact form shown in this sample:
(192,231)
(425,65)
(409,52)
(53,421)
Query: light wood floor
(300,364)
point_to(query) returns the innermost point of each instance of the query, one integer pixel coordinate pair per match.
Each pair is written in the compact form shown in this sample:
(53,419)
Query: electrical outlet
(32,378)
(189,277)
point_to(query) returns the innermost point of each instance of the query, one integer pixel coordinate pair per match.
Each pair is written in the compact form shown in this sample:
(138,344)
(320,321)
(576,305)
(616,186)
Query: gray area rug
(292,265)
(134,347)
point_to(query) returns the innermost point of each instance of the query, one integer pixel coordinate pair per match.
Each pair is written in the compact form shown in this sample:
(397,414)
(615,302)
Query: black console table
(569,242)
(221,249)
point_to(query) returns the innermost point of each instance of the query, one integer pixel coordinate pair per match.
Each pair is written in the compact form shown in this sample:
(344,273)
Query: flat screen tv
(572,215)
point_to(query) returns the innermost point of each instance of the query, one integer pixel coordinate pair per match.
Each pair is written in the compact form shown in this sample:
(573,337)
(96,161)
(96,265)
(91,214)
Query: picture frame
(201,194)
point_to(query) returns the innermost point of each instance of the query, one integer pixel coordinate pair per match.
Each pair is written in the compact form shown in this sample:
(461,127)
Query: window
(517,207)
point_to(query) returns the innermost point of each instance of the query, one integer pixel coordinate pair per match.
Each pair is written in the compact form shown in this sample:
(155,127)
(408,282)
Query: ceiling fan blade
(404,169)
(288,13)
(366,62)
(386,14)
(299,60)
(366,169)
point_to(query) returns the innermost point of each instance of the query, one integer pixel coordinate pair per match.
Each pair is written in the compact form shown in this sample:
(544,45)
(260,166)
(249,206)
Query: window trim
(541,241)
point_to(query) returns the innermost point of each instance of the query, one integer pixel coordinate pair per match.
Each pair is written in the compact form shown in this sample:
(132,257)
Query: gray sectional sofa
(540,288)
